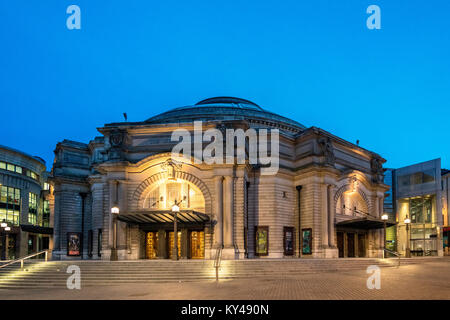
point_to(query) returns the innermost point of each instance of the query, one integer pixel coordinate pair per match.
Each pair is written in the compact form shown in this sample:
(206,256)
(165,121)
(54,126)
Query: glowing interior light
(115,210)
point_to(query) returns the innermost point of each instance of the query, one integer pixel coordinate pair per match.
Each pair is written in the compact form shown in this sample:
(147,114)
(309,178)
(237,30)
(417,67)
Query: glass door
(197,244)
(171,243)
(151,248)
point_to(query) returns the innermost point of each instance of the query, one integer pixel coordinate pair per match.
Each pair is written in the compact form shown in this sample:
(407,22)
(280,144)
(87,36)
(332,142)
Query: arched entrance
(351,206)
(160,197)
(156,219)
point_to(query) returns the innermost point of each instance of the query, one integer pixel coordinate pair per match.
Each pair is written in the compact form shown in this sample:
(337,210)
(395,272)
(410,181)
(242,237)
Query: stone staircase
(52,274)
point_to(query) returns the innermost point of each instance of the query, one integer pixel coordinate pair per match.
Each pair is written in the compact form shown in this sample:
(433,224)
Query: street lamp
(115,212)
(384,217)
(175,210)
(3,224)
(407,221)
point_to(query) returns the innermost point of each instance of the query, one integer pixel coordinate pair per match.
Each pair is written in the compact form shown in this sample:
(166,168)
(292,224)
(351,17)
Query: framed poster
(73,243)
(262,240)
(288,240)
(307,241)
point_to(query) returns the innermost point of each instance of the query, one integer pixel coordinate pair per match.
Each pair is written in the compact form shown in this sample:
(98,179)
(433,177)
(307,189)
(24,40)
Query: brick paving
(424,281)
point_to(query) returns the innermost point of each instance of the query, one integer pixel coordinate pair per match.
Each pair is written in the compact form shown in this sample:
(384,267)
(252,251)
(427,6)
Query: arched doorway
(351,241)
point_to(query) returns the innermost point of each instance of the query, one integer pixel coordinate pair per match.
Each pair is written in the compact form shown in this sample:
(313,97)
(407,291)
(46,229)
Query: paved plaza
(425,281)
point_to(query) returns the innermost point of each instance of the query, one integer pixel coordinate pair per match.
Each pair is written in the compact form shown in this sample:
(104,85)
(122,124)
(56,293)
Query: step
(38,274)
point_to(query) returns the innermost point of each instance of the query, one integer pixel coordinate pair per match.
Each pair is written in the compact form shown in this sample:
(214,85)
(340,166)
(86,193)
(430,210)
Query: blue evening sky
(313,61)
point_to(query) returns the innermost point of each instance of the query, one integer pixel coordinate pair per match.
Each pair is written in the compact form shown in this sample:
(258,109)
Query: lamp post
(115,212)
(175,210)
(407,221)
(384,217)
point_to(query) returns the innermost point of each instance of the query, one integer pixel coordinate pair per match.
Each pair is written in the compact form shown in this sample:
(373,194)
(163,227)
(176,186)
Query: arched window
(162,196)
(351,203)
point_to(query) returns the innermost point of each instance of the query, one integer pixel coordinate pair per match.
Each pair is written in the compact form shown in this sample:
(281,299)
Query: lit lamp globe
(384,217)
(8,229)
(115,210)
(3,224)
(407,220)
(175,208)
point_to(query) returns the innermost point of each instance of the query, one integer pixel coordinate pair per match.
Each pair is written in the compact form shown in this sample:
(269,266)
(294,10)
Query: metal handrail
(398,255)
(217,261)
(25,258)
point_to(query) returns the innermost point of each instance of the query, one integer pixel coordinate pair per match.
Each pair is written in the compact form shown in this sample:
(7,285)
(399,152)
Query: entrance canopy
(366,223)
(164,216)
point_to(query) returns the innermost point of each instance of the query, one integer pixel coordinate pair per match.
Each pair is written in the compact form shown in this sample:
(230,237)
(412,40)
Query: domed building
(124,195)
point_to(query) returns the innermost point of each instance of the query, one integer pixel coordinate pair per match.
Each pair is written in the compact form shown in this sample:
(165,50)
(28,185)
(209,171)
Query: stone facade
(322,181)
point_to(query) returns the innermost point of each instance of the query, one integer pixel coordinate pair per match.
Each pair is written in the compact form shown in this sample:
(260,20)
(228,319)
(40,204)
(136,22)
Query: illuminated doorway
(171,243)
(151,245)
(197,244)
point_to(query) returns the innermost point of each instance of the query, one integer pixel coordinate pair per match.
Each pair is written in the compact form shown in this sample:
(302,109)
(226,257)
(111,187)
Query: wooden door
(340,243)
(197,244)
(170,246)
(151,245)
(361,245)
(350,245)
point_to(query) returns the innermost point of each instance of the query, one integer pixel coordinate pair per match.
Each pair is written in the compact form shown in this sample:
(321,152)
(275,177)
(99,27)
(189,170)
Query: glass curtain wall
(423,231)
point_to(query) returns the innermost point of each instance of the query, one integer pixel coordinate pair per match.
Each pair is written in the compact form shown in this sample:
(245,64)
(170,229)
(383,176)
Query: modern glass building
(414,197)
(25,204)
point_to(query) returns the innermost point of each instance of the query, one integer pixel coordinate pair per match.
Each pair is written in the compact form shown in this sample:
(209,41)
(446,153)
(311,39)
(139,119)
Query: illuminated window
(32,208)
(164,195)
(11,167)
(46,186)
(10,204)
(351,203)
(32,175)
(46,214)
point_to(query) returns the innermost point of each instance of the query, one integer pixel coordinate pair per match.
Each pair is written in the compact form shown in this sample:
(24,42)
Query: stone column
(331,217)
(56,252)
(377,206)
(114,201)
(218,229)
(184,244)
(325,214)
(228,205)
